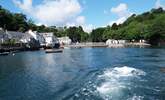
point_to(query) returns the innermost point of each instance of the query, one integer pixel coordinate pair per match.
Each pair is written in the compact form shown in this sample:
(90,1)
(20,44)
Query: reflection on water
(84,74)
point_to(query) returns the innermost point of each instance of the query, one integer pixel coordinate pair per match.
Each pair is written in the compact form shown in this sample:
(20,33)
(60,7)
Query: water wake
(116,82)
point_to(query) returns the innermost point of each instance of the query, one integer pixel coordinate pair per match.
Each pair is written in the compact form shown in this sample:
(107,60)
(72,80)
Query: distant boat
(4,53)
(53,51)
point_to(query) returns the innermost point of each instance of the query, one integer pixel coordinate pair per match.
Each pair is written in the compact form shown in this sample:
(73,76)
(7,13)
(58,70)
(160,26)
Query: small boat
(53,51)
(4,53)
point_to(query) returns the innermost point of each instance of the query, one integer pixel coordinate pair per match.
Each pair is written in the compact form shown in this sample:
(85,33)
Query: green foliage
(77,34)
(10,42)
(12,21)
(149,25)
(97,35)
(157,30)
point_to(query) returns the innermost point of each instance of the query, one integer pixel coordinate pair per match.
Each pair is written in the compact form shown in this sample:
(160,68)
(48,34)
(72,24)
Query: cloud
(88,28)
(122,13)
(121,9)
(55,12)
(160,4)
(25,5)
(80,21)
(51,12)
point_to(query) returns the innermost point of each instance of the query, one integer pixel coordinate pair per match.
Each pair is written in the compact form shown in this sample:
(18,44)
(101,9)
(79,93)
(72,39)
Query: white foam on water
(115,81)
(136,98)
(125,71)
(110,89)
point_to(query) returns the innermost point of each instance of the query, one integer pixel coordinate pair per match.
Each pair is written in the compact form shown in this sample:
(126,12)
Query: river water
(84,74)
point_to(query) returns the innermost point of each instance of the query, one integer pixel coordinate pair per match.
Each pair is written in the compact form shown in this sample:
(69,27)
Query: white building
(65,40)
(32,35)
(122,41)
(112,42)
(142,41)
(16,36)
(50,39)
(3,36)
(25,39)
(45,39)
(37,36)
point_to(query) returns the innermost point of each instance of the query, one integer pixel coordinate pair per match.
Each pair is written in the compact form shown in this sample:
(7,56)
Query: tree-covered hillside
(149,25)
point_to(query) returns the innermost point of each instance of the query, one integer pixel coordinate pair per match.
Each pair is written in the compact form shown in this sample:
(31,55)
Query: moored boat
(53,51)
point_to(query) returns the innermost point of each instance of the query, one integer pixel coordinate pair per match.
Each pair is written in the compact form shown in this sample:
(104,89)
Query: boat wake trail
(117,83)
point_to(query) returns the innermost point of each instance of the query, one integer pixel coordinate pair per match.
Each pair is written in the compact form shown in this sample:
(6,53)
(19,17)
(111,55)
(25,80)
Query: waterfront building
(37,36)
(3,36)
(65,40)
(109,41)
(142,41)
(26,38)
(116,43)
(42,39)
(30,41)
(50,40)
(112,41)
(122,41)
(16,36)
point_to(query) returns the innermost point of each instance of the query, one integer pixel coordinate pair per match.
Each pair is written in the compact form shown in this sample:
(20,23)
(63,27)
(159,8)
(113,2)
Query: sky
(87,13)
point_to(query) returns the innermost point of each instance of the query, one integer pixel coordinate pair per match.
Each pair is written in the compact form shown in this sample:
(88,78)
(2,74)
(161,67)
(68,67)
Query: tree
(157,31)
(31,25)
(156,11)
(73,34)
(114,26)
(97,35)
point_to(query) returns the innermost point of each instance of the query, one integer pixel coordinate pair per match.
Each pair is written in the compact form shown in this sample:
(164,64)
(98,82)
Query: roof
(26,36)
(46,34)
(3,35)
(15,35)
(2,32)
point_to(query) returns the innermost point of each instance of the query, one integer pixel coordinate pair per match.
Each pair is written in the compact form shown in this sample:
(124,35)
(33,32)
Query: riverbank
(102,44)
(79,45)
(88,44)
(18,49)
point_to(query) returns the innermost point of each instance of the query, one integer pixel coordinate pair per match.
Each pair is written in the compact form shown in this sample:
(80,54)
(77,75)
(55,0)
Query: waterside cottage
(65,40)
(115,43)
(112,41)
(50,41)
(3,36)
